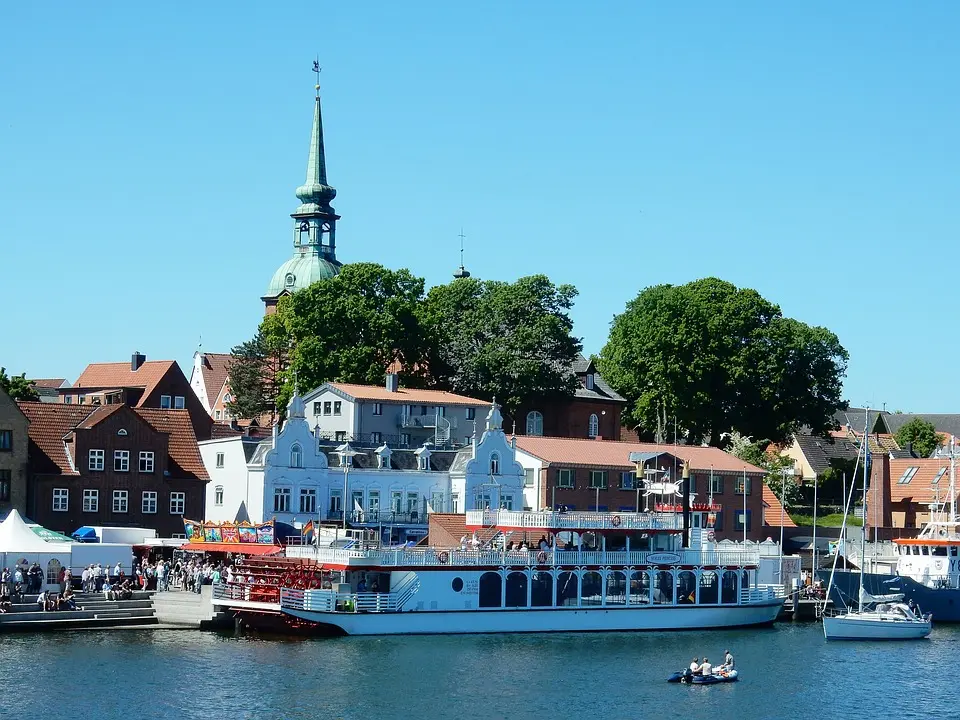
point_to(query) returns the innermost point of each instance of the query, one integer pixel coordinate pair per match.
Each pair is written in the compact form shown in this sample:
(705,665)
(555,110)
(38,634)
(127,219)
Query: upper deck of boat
(557,521)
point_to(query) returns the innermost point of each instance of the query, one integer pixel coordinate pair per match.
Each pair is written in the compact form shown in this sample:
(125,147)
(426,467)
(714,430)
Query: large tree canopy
(511,341)
(710,357)
(258,372)
(17,386)
(921,435)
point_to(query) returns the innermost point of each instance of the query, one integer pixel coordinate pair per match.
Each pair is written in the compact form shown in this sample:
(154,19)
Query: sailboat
(877,617)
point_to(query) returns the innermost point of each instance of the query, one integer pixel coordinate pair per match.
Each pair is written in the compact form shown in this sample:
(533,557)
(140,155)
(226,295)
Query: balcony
(375,517)
(575,520)
(427,422)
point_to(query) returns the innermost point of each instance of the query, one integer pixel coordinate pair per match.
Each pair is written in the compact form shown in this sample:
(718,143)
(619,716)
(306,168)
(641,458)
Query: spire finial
(462,272)
(316,70)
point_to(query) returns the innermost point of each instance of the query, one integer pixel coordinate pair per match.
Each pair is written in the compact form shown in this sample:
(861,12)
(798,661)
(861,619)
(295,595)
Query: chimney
(136,360)
(909,448)
(878,512)
(393,382)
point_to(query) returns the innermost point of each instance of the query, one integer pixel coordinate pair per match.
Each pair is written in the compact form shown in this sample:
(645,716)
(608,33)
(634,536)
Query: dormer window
(589,381)
(383,457)
(290,279)
(423,463)
(495,464)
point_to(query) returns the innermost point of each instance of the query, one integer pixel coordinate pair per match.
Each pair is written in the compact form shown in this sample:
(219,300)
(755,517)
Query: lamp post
(346,454)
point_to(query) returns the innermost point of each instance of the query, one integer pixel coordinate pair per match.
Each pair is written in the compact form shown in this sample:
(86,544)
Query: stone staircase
(187,609)
(96,613)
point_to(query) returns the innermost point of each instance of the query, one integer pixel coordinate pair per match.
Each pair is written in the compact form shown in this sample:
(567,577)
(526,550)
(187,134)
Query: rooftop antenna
(462,271)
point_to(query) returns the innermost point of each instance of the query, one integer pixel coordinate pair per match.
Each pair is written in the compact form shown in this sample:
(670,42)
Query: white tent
(19,545)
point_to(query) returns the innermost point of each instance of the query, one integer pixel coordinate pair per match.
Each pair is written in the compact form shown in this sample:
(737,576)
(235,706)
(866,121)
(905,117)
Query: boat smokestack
(685,480)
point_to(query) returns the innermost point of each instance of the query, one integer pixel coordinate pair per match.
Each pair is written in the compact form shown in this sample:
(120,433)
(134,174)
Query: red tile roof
(50,422)
(772,510)
(48,382)
(407,395)
(219,431)
(578,452)
(119,375)
(214,368)
(920,488)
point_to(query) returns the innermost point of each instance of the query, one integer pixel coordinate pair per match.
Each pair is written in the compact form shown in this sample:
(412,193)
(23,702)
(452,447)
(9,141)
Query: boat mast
(863,533)
(953,481)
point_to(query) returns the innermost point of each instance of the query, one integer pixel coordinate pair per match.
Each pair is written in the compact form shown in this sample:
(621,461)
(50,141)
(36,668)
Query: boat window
(728,591)
(541,592)
(709,586)
(662,587)
(457,584)
(639,588)
(490,588)
(924,550)
(939,550)
(591,589)
(616,588)
(686,587)
(953,551)
(516,589)
(568,589)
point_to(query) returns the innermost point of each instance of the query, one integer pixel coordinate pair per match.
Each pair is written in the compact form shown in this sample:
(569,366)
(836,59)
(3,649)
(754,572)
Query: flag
(429,508)
(307,532)
(357,510)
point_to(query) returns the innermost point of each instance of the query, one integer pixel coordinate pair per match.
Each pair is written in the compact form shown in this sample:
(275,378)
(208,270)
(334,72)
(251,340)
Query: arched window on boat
(593,429)
(616,588)
(517,589)
(591,589)
(639,588)
(686,587)
(662,587)
(728,588)
(494,463)
(53,572)
(568,589)
(541,594)
(709,587)
(534,423)
(745,580)
(490,590)
(296,456)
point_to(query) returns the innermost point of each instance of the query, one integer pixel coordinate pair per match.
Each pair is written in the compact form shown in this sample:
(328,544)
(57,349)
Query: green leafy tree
(258,372)
(512,341)
(17,386)
(922,435)
(709,357)
(785,487)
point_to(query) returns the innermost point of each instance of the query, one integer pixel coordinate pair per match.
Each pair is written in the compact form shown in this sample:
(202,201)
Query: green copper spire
(315,193)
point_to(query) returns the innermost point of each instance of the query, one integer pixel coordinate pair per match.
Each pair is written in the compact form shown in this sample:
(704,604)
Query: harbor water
(787,671)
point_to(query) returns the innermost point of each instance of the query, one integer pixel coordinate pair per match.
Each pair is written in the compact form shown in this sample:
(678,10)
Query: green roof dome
(300,272)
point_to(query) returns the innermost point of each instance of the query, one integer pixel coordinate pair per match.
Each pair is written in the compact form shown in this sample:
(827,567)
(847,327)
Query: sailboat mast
(866,463)
(953,481)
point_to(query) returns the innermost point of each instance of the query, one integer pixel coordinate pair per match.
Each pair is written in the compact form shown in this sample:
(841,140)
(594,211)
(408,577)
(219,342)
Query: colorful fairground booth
(236,538)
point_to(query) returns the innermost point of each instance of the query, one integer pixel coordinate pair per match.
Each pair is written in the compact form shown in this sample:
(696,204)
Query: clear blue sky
(149,156)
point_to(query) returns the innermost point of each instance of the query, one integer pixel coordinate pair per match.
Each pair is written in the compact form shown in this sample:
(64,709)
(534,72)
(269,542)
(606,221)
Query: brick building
(140,383)
(598,474)
(902,491)
(113,465)
(13,457)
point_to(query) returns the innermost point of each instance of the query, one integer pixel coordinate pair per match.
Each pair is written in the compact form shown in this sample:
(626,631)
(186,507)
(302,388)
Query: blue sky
(149,156)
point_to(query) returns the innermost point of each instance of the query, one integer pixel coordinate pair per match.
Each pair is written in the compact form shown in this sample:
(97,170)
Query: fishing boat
(927,568)
(572,571)
(883,617)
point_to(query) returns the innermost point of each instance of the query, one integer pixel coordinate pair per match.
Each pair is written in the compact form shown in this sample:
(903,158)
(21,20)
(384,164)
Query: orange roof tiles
(772,509)
(921,487)
(214,368)
(407,395)
(119,375)
(48,382)
(580,452)
(183,442)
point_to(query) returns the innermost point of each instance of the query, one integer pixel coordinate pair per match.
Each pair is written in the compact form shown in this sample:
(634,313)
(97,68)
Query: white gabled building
(296,477)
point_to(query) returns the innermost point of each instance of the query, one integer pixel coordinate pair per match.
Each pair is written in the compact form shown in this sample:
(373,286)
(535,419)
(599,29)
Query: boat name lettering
(663,558)
(471,587)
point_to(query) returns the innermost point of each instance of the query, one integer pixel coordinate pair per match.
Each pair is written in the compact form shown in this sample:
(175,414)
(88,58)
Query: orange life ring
(541,558)
(615,521)
(443,557)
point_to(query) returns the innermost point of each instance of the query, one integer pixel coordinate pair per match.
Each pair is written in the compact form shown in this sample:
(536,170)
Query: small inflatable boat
(684,676)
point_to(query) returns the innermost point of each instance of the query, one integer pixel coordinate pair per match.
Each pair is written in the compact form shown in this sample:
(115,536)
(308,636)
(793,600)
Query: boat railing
(334,601)
(761,593)
(575,520)
(438,557)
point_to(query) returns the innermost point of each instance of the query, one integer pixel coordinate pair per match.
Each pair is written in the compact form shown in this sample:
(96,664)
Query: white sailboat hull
(874,626)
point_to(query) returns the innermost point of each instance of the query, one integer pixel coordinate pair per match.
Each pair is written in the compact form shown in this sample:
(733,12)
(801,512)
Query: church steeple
(314,222)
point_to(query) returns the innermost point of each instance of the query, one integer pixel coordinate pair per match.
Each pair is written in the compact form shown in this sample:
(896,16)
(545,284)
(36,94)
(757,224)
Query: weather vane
(316,70)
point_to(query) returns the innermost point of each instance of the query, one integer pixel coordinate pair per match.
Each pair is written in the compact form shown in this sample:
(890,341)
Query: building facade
(372,415)
(13,457)
(113,465)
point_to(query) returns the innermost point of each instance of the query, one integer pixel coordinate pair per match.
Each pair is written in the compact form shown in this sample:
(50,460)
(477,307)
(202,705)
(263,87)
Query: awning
(86,534)
(238,548)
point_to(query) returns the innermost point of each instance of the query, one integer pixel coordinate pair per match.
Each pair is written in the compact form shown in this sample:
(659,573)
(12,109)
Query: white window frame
(121,461)
(338,407)
(216,414)
(281,499)
(148,502)
(528,477)
(327,407)
(146,462)
(219,460)
(593,425)
(308,501)
(91,500)
(535,423)
(495,463)
(471,413)
(95,460)
(121,501)
(378,408)
(218,495)
(601,476)
(165,402)
(296,456)
(590,381)
(179,402)
(61,499)
(178,503)
(566,478)
(376,438)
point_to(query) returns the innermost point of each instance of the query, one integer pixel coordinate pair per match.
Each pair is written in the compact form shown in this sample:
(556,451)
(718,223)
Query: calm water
(787,672)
